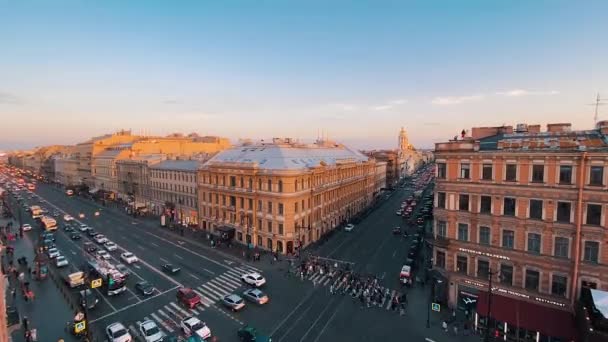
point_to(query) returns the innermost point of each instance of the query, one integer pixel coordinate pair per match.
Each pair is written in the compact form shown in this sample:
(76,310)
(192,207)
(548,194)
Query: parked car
(91,232)
(349,227)
(75,236)
(26,227)
(253,279)
(116,332)
(187,297)
(110,246)
(90,247)
(83,227)
(100,239)
(255,296)
(233,302)
(144,288)
(103,254)
(61,261)
(128,257)
(53,253)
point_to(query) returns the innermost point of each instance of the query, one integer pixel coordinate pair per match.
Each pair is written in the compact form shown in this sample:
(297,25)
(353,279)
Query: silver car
(233,302)
(255,296)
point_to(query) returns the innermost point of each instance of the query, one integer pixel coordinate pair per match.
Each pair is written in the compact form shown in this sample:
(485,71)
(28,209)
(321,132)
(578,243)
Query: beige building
(174,190)
(282,195)
(525,209)
(66,170)
(134,179)
(380,178)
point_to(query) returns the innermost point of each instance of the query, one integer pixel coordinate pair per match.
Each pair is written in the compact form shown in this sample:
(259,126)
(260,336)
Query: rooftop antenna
(598,102)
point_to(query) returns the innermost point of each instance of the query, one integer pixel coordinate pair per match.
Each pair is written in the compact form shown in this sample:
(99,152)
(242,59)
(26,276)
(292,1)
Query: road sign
(436,307)
(95,283)
(80,327)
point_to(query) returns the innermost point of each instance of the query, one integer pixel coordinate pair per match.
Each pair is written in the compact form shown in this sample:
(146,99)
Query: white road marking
(193,276)
(139,268)
(291,313)
(394,253)
(206,270)
(153,244)
(164,260)
(325,326)
(161,322)
(179,257)
(140,247)
(429,340)
(229,262)
(73,252)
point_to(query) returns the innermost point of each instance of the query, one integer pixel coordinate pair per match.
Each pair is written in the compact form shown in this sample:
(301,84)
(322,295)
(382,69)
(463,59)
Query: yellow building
(282,195)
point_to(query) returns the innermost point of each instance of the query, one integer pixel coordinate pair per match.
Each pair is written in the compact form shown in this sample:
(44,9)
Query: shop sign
(489,255)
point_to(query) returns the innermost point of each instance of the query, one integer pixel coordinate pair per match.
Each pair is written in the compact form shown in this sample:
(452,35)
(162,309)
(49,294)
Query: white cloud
(345,106)
(382,107)
(398,102)
(452,100)
(389,104)
(523,92)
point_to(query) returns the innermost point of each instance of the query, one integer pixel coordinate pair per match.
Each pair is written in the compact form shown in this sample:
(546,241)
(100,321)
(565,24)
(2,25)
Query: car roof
(116,326)
(149,324)
(254,274)
(233,296)
(256,291)
(191,320)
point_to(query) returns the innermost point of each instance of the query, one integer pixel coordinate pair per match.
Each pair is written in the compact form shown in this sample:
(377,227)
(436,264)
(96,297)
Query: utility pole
(489,312)
(598,102)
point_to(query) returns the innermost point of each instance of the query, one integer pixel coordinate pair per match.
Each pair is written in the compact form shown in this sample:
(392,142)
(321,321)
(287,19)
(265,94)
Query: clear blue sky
(356,69)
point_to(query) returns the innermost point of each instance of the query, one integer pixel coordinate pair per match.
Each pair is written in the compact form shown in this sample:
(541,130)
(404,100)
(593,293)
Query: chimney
(602,126)
(533,129)
(521,128)
(559,127)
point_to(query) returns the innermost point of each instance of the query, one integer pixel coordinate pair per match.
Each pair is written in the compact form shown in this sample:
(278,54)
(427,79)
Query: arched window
(280,186)
(269,185)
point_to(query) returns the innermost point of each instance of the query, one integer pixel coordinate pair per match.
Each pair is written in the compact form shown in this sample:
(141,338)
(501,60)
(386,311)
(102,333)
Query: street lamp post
(489,312)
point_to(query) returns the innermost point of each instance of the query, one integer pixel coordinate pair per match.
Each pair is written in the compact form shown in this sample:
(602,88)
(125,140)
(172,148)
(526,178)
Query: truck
(36,211)
(48,223)
(113,281)
(72,276)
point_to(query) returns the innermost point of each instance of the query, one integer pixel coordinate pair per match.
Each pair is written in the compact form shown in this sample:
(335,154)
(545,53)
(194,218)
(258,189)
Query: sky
(355,70)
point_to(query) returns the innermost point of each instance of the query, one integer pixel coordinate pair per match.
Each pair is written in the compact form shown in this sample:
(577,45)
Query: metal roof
(178,165)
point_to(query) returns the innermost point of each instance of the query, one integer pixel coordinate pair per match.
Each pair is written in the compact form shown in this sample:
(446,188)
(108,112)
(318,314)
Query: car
(110,246)
(56,214)
(88,299)
(194,326)
(253,279)
(150,331)
(255,296)
(100,239)
(397,230)
(187,297)
(399,212)
(48,236)
(83,227)
(68,228)
(169,268)
(103,254)
(144,288)
(349,227)
(89,247)
(26,227)
(48,244)
(123,269)
(53,252)
(250,334)
(61,261)
(75,236)
(116,332)
(233,302)
(68,218)
(91,232)
(128,257)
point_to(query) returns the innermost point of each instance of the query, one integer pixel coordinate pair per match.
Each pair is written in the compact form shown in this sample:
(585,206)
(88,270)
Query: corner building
(525,210)
(284,195)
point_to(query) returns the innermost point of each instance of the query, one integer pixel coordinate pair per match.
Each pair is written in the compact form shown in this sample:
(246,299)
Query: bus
(36,211)
(113,282)
(48,223)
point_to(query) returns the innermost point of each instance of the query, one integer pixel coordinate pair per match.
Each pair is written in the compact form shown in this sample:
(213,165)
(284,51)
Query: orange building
(525,210)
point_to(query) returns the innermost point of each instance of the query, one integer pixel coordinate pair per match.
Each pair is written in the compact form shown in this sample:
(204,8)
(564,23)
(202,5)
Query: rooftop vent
(559,127)
(521,128)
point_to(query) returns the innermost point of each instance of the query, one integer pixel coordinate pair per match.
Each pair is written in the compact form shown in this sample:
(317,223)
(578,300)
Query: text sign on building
(95,283)
(436,307)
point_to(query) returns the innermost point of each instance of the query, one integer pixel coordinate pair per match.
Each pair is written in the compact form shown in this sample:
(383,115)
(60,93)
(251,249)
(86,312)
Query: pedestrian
(402,309)
(14,293)
(25,323)
(455,330)
(331,289)
(444,325)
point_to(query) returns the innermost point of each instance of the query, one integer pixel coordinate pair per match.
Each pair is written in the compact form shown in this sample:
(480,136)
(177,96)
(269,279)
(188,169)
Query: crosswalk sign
(436,307)
(95,283)
(80,327)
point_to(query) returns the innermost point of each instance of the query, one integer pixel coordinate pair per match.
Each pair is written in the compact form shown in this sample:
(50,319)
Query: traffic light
(110,281)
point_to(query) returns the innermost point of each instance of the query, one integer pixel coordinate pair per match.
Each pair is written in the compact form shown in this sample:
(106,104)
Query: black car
(144,288)
(88,299)
(68,228)
(92,232)
(75,236)
(168,268)
(48,236)
(89,247)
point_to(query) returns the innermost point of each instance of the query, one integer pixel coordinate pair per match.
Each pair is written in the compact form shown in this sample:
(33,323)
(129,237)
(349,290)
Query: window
(260,187)
(509,206)
(441,170)
(538,173)
(280,208)
(269,207)
(249,203)
(440,259)
(441,200)
(260,207)
(536,209)
(260,227)
(250,184)
(596,175)
(532,280)
(280,229)
(484,236)
(280,186)
(296,207)
(463,202)
(232,181)
(511,173)
(465,170)
(462,264)
(534,243)
(562,247)
(565,174)
(232,201)
(563,212)
(508,238)
(485,204)
(483,269)
(463,232)
(296,185)
(442,229)
(591,251)
(594,214)
(486,173)
(269,185)
(270,226)
(506,274)
(559,285)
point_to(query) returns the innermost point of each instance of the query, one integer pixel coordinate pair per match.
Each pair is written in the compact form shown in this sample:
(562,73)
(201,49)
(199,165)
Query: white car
(194,326)
(68,218)
(103,254)
(110,246)
(53,253)
(100,238)
(128,257)
(253,279)
(150,331)
(117,332)
(26,227)
(83,227)
(349,227)
(61,261)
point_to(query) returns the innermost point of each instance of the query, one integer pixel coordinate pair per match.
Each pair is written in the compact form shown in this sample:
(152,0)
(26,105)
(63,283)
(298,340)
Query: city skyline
(355,71)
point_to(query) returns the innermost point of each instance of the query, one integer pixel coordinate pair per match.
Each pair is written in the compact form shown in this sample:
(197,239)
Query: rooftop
(288,155)
(178,165)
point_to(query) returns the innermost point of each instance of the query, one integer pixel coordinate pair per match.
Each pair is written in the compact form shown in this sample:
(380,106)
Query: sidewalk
(48,312)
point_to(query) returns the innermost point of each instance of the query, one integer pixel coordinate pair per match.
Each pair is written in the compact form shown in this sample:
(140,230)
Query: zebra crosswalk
(169,316)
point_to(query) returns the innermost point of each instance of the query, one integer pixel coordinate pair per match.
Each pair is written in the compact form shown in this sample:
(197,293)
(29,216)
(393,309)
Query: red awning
(548,321)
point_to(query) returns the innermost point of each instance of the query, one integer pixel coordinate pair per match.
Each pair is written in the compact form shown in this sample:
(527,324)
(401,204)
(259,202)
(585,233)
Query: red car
(188,297)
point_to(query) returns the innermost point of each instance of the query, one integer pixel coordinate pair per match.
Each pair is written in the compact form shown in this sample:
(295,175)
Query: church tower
(404,143)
